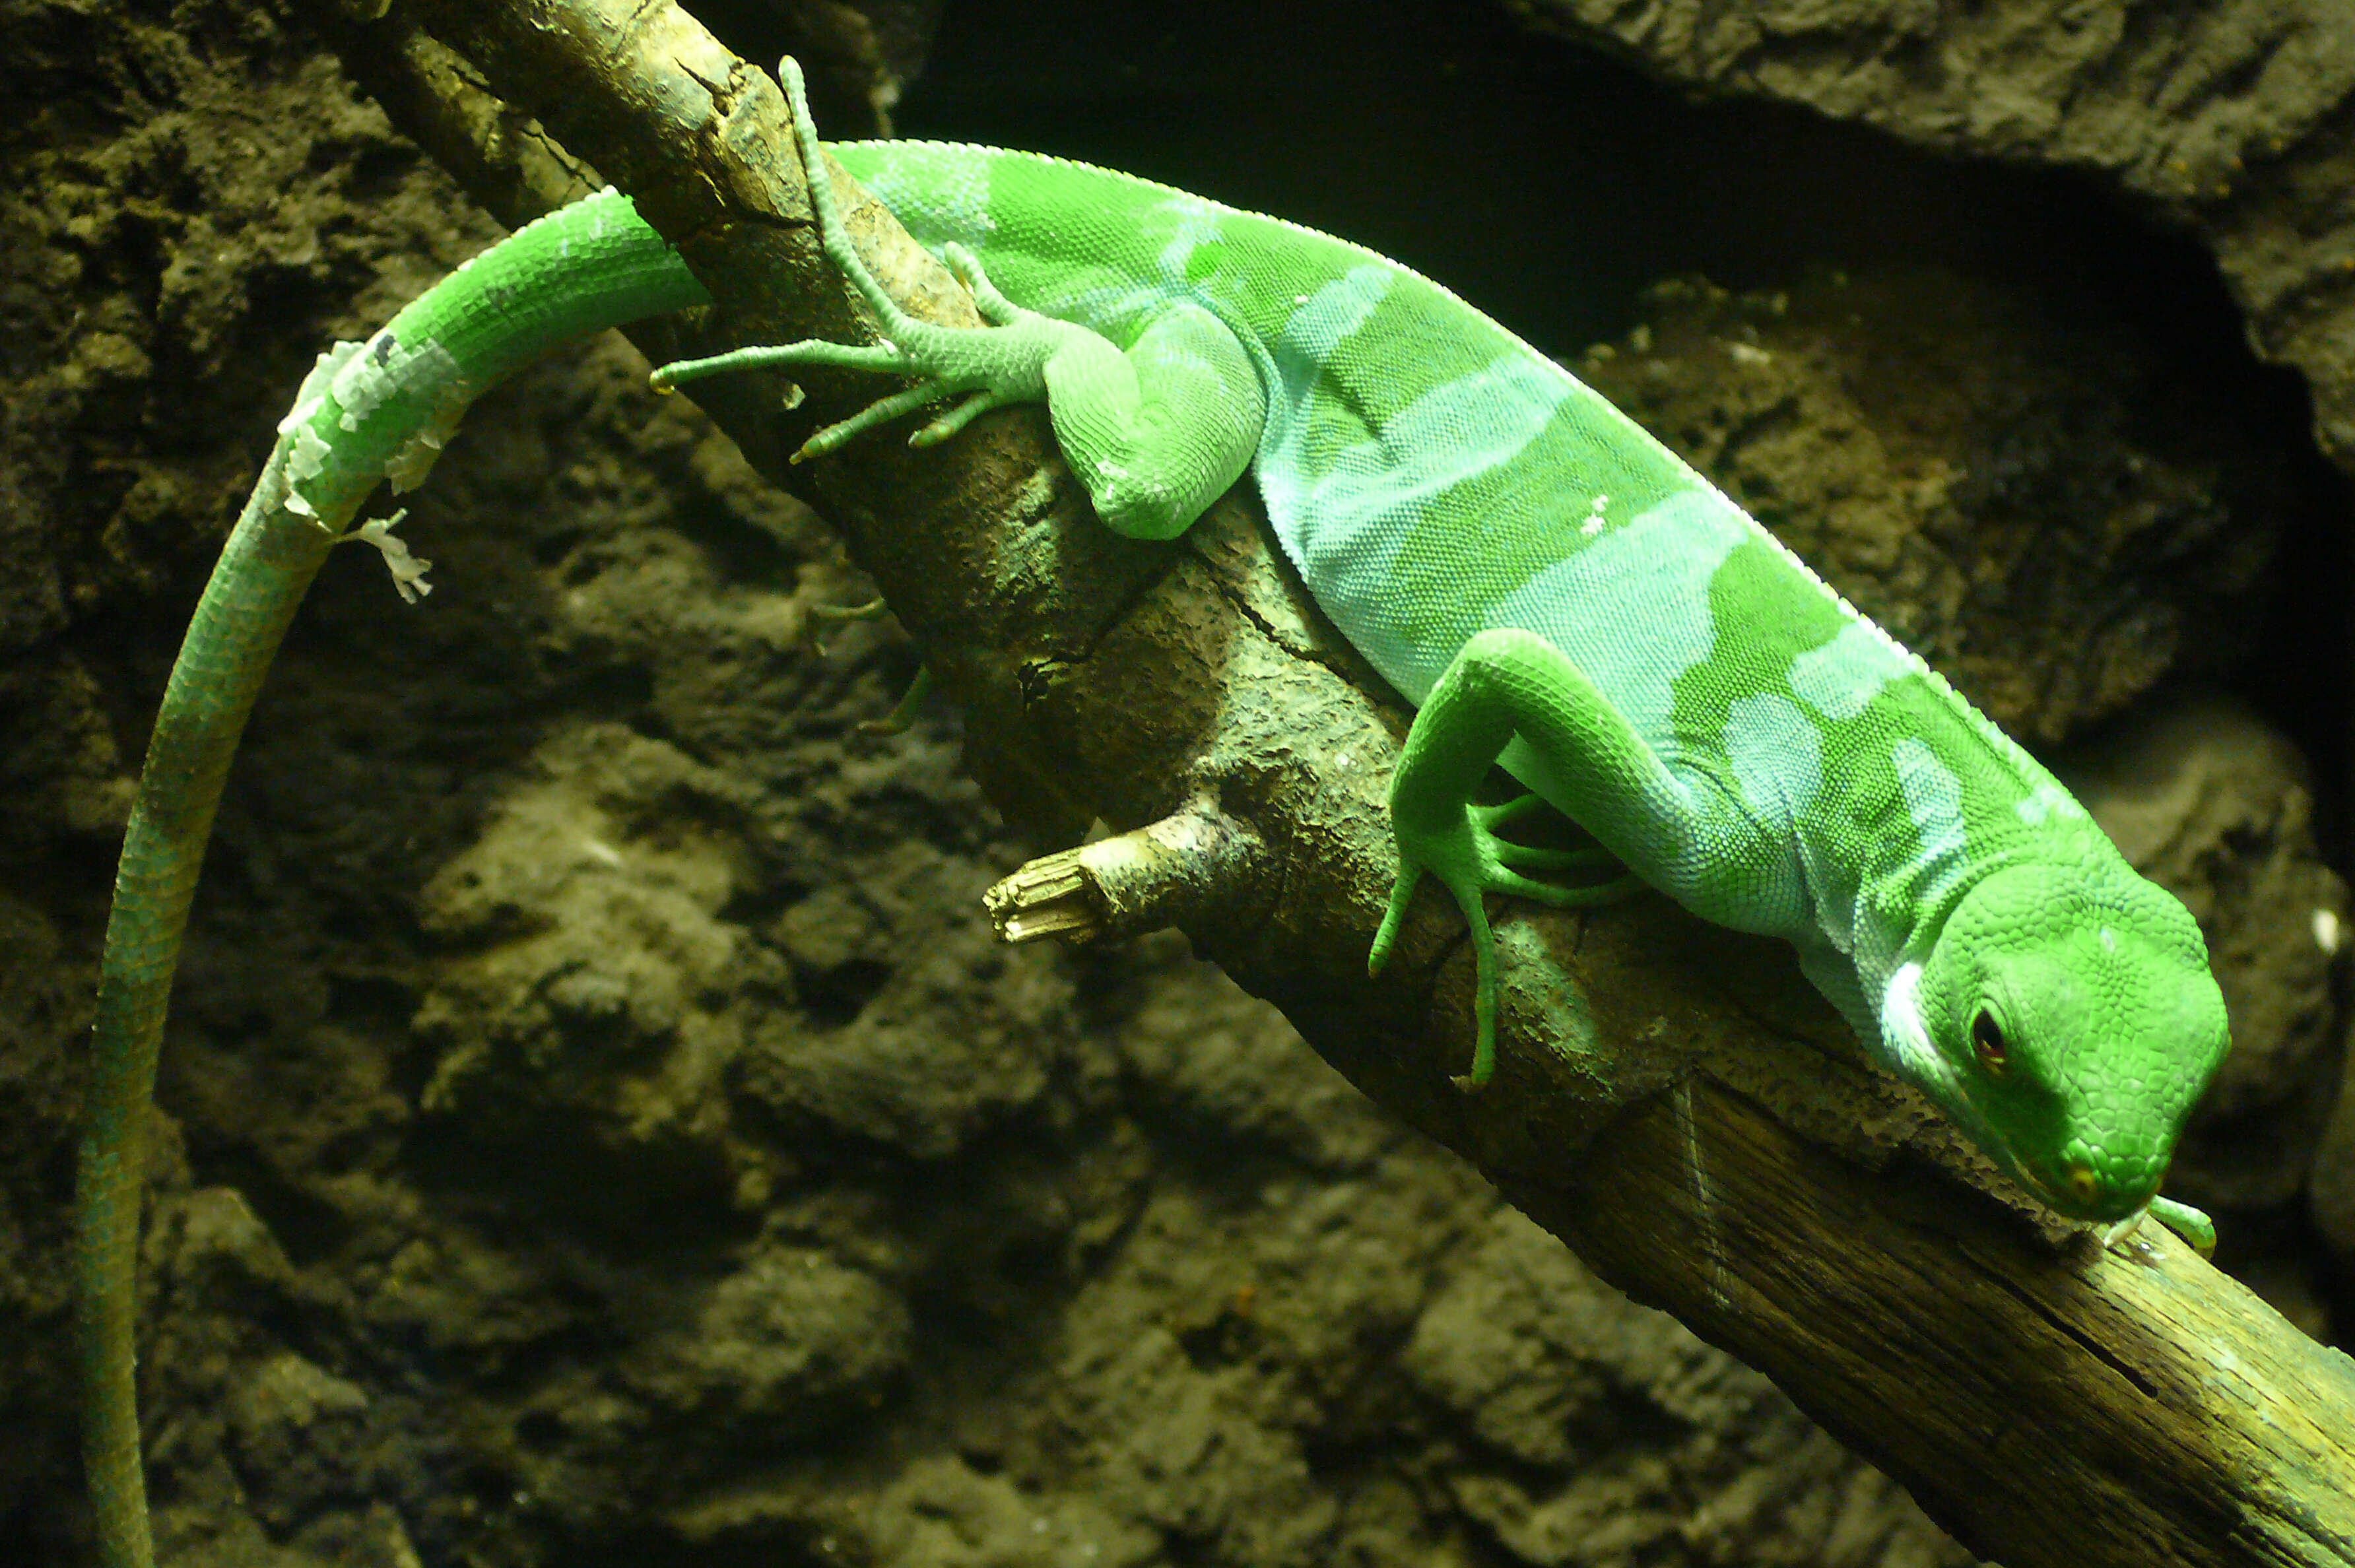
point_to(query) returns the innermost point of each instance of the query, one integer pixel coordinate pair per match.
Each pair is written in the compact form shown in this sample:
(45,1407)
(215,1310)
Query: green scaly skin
(590,266)
(237,628)
(1561,595)
(1553,589)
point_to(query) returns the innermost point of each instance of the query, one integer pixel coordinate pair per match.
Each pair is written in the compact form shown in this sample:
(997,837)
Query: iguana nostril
(2083,1181)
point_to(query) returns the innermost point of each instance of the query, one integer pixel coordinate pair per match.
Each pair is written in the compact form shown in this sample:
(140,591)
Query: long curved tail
(367,413)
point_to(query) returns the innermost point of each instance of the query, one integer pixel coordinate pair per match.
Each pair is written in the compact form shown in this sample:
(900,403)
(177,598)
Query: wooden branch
(492,150)
(1670,1099)
(2077,1405)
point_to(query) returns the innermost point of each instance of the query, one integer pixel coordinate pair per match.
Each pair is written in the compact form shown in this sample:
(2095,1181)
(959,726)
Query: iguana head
(2075,1023)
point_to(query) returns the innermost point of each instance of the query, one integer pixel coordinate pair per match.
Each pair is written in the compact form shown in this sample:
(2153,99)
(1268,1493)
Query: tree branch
(1670,1099)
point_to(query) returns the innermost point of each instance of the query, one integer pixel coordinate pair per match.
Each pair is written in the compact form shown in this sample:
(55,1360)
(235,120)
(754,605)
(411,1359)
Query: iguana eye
(1987,1040)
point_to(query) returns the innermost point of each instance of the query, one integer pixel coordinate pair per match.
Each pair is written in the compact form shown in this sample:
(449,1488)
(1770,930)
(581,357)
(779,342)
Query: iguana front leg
(1505,685)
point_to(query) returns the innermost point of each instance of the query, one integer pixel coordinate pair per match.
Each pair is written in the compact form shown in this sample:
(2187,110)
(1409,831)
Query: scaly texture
(1554,589)
(1558,592)
(367,413)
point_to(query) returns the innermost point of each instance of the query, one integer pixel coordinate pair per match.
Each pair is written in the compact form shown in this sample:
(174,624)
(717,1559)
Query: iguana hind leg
(1156,432)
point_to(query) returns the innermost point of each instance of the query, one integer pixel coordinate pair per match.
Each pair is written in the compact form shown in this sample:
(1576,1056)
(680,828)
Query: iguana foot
(1470,860)
(903,712)
(1002,363)
(2198,1230)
